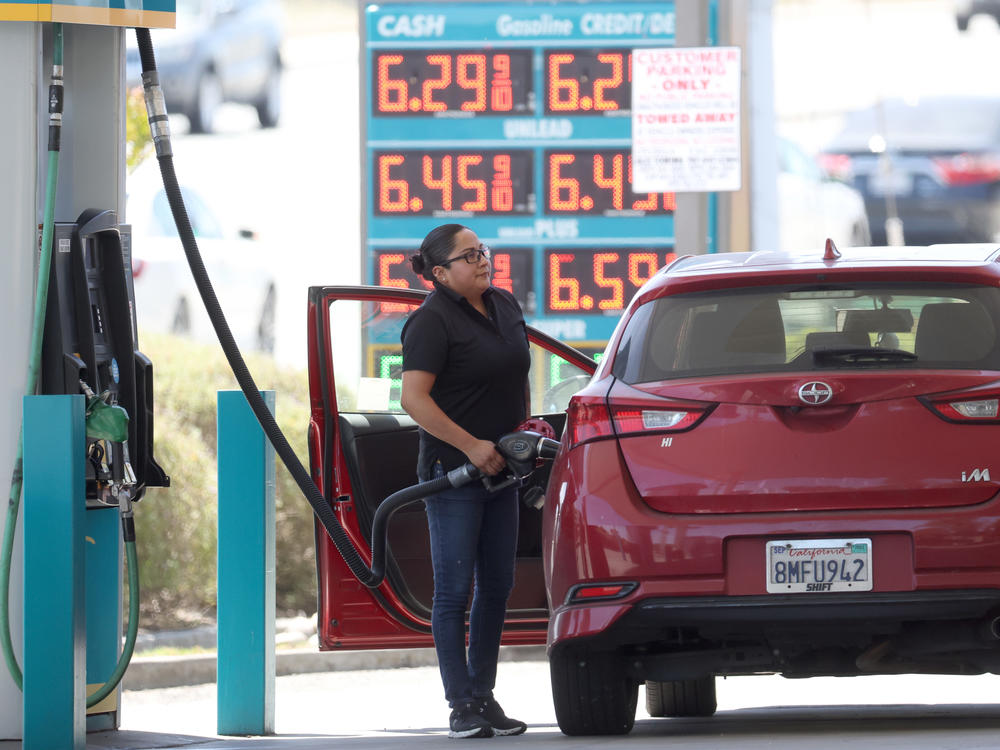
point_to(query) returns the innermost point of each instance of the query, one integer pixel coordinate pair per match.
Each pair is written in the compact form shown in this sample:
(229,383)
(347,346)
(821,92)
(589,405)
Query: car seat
(954,332)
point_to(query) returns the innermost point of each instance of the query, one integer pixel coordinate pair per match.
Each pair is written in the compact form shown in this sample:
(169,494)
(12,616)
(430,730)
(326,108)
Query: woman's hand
(484,456)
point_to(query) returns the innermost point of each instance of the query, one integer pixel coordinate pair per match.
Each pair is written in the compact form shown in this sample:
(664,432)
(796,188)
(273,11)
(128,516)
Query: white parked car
(813,206)
(166,297)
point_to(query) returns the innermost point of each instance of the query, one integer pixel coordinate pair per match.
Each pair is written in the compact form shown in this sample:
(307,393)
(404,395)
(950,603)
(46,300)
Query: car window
(203,221)
(786,329)
(368,365)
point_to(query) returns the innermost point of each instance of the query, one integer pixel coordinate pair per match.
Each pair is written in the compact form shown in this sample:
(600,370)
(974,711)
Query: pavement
(403,708)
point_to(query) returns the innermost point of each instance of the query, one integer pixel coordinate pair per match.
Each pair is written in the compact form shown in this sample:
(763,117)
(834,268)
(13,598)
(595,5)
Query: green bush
(176,526)
(138,139)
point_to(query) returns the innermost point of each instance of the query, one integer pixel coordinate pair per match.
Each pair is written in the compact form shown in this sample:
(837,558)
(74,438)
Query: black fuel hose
(372,577)
(380,524)
(158,124)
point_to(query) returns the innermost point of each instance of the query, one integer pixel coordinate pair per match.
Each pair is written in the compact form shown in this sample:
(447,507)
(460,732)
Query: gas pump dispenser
(89,346)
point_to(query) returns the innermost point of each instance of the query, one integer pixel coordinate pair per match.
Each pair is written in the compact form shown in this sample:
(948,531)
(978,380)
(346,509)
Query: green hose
(34,364)
(133,629)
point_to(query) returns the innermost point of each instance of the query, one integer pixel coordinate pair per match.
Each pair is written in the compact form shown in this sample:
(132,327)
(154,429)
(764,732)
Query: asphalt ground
(397,708)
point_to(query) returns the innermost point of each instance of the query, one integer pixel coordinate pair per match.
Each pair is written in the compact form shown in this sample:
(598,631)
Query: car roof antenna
(831,252)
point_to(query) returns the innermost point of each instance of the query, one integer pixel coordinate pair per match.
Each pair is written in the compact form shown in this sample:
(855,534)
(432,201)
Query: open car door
(363,447)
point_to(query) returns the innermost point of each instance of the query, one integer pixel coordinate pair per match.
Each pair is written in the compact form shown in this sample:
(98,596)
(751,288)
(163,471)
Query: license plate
(891,183)
(805,565)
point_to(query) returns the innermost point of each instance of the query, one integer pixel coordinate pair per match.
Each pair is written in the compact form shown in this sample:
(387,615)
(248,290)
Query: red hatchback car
(783,464)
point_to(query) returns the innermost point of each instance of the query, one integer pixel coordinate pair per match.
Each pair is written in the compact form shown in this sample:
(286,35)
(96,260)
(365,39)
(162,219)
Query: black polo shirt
(481,366)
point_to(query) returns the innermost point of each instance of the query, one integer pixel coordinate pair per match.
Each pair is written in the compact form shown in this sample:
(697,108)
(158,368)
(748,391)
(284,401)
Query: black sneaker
(502,724)
(466,723)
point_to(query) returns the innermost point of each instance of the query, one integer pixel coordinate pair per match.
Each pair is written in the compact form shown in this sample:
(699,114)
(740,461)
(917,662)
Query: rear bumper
(664,638)
(640,620)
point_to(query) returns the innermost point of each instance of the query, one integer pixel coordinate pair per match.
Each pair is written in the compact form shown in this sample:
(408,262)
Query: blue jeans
(473,539)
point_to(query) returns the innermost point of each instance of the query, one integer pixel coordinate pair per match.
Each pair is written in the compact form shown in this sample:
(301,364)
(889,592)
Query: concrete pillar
(691,219)
(20,202)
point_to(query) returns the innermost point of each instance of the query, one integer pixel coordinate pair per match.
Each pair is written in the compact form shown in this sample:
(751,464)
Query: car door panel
(363,448)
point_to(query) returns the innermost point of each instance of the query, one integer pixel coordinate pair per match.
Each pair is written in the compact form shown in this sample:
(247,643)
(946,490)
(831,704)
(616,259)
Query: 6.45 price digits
(428,82)
(583,281)
(430,182)
(597,181)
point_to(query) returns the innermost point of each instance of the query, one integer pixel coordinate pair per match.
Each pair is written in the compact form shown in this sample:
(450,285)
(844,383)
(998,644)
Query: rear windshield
(784,329)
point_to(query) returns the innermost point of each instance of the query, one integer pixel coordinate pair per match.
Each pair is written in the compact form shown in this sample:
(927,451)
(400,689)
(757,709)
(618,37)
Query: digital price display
(598,281)
(514,118)
(596,181)
(588,81)
(439,83)
(511,271)
(432,183)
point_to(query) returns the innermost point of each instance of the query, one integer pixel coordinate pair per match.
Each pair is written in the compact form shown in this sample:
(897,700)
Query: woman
(465,378)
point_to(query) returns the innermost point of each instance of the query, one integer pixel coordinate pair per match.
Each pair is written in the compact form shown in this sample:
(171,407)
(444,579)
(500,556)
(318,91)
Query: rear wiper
(861,356)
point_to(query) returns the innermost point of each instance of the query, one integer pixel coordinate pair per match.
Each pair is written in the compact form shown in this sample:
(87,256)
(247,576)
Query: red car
(783,464)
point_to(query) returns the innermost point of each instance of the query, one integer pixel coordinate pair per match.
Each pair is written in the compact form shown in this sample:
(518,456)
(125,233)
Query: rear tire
(207,101)
(592,693)
(268,106)
(181,324)
(681,697)
(265,327)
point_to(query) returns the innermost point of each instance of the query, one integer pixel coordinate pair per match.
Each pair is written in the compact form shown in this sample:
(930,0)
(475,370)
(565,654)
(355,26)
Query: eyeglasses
(471,257)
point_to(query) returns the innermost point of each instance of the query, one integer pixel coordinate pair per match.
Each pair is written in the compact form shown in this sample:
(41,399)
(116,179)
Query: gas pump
(89,346)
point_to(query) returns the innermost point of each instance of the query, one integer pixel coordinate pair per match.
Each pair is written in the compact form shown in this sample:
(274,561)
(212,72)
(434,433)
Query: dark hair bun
(418,264)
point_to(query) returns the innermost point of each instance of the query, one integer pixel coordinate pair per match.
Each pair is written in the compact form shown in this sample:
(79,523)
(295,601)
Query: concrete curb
(148,672)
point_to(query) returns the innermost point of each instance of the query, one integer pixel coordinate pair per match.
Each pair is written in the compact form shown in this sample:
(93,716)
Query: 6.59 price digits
(584,281)
(433,182)
(597,182)
(588,81)
(429,82)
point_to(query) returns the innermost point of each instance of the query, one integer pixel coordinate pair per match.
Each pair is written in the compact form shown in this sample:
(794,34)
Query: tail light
(837,166)
(137,267)
(975,406)
(591,592)
(590,418)
(674,417)
(968,169)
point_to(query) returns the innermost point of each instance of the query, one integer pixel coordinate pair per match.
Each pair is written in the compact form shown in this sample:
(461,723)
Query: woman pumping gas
(465,383)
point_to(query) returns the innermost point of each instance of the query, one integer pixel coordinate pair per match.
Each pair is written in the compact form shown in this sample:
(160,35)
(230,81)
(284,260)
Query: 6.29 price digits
(588,282)
(588,81)
(430,82)
(435,182)
(597,182)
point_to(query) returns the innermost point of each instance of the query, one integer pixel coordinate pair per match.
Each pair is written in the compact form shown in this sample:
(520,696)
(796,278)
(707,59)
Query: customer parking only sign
(144,13)
(686,119)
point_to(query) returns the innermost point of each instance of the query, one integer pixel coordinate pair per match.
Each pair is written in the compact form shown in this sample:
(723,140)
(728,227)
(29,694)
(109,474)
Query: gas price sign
(514,119)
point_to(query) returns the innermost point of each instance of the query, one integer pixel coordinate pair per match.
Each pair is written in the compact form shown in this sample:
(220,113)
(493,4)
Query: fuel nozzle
(520,449)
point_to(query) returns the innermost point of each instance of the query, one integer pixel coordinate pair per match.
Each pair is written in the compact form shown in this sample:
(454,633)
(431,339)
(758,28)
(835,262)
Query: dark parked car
(782,464)
(937,159)
(966,9)
(221,51)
